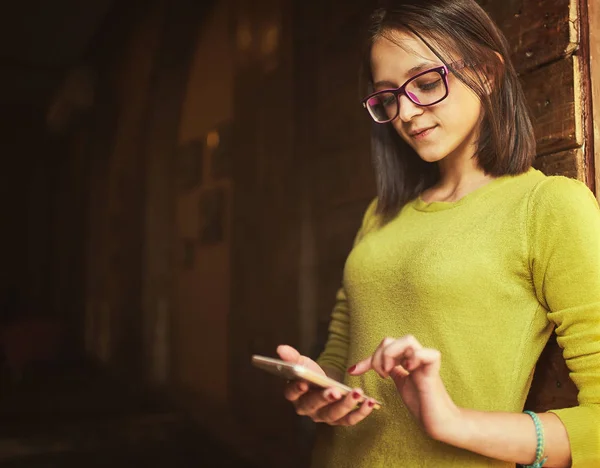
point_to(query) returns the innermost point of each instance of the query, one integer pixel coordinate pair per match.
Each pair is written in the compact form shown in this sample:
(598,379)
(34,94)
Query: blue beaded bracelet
(539,450)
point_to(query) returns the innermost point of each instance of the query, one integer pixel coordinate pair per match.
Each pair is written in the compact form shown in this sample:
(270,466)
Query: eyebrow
(413,71)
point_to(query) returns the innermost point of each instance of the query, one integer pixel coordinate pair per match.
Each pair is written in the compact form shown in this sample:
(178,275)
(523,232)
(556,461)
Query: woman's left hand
(416,372)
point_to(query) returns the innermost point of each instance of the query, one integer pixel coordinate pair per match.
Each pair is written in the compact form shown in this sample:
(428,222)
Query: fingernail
(331,397)
(371,403)
(355,395)
(352,369)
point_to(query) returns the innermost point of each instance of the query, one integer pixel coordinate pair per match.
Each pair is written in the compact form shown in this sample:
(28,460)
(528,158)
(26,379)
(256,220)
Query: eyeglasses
(425,89)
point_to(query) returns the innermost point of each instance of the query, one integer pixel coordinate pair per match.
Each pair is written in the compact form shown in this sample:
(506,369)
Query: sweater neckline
(421,205)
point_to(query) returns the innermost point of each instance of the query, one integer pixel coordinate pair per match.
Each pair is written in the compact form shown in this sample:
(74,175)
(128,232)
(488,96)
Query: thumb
(289,354)
(398,375)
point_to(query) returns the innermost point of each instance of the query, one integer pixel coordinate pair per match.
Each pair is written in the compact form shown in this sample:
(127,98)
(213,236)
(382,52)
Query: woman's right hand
(323,405)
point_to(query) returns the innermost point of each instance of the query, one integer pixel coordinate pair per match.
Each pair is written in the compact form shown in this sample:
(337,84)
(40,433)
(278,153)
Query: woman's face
(448,129)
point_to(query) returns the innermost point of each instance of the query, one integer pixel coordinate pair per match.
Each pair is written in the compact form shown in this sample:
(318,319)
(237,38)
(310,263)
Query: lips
(420,131)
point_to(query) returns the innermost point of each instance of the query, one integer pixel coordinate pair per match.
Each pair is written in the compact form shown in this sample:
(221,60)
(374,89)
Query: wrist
(455,429)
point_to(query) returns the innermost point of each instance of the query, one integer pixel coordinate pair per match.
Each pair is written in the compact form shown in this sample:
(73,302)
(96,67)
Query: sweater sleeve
(335,354)
(564,224)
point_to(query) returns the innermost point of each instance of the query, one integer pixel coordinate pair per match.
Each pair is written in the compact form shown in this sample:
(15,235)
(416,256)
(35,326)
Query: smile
(422,133)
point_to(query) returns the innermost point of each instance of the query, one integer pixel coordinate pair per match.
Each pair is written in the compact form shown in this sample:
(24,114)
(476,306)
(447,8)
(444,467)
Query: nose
(408,109)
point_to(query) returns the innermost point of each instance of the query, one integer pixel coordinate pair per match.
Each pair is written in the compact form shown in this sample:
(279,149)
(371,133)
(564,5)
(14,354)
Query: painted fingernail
(355,395)
(331,397)
(371,403)
(352,369)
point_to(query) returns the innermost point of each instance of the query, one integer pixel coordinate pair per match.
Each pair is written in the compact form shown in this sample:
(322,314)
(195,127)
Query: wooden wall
(546,50)
(549,50)
(593,16)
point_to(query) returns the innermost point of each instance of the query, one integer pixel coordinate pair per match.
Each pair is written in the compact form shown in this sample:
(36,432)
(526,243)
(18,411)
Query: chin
(431,157)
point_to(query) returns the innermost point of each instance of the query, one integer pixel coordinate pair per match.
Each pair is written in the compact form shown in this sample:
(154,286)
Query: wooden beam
(552,386)
(594,58)
(567,163)
(539,32)
(552,95)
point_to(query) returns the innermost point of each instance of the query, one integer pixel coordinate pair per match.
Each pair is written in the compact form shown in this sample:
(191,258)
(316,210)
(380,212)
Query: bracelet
(539,451)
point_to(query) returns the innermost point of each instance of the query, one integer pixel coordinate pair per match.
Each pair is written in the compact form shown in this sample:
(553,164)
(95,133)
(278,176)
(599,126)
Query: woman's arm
(505,436)
(564,245)
(509,436)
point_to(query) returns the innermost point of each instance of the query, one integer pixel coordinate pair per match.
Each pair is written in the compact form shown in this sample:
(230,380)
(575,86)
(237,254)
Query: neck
(457,179)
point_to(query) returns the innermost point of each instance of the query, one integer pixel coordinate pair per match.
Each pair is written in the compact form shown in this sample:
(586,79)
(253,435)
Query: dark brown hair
(452,29)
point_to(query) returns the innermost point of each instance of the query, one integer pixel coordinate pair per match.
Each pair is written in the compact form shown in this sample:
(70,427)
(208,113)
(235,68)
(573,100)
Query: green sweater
(485,280)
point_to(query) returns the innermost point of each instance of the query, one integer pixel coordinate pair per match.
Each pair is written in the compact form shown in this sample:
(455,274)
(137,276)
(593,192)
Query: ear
(491,72)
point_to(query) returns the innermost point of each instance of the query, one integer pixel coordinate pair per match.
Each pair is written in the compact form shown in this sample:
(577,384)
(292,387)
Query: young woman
(465,264)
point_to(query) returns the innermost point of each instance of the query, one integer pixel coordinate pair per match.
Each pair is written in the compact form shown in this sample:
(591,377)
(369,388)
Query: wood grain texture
(551,96)
(539,32)
(594,38)
(551,388)
(567,163)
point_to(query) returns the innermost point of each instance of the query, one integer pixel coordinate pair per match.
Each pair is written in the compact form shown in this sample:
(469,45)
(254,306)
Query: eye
(388,99)
(428,85)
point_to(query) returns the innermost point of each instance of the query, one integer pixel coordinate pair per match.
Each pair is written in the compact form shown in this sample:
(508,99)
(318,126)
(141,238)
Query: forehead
(393,57)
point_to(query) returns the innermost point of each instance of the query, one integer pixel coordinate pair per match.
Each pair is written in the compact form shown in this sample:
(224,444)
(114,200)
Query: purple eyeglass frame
(443,72)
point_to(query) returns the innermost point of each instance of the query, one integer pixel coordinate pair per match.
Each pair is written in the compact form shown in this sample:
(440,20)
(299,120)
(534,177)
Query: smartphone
(297,372)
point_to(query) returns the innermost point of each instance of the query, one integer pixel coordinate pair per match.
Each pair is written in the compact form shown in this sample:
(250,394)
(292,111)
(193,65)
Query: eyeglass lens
(424,90)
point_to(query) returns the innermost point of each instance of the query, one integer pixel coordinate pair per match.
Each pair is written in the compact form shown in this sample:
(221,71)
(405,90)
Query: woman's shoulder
(559,192)
(371,218)
(563,207)
(371,210)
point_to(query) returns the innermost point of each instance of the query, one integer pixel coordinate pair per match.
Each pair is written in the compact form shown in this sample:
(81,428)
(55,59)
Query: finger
(288,354)
(425,357)
(295,390)
(399,372)
(367,364)
(336,411)
(291,355)
(356,416)
(395,352)
(361,367)
(389,359)
(378,357)
(311,402)
(403,362)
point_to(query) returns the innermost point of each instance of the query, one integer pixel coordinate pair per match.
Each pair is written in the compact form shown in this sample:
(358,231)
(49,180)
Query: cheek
(461,114)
